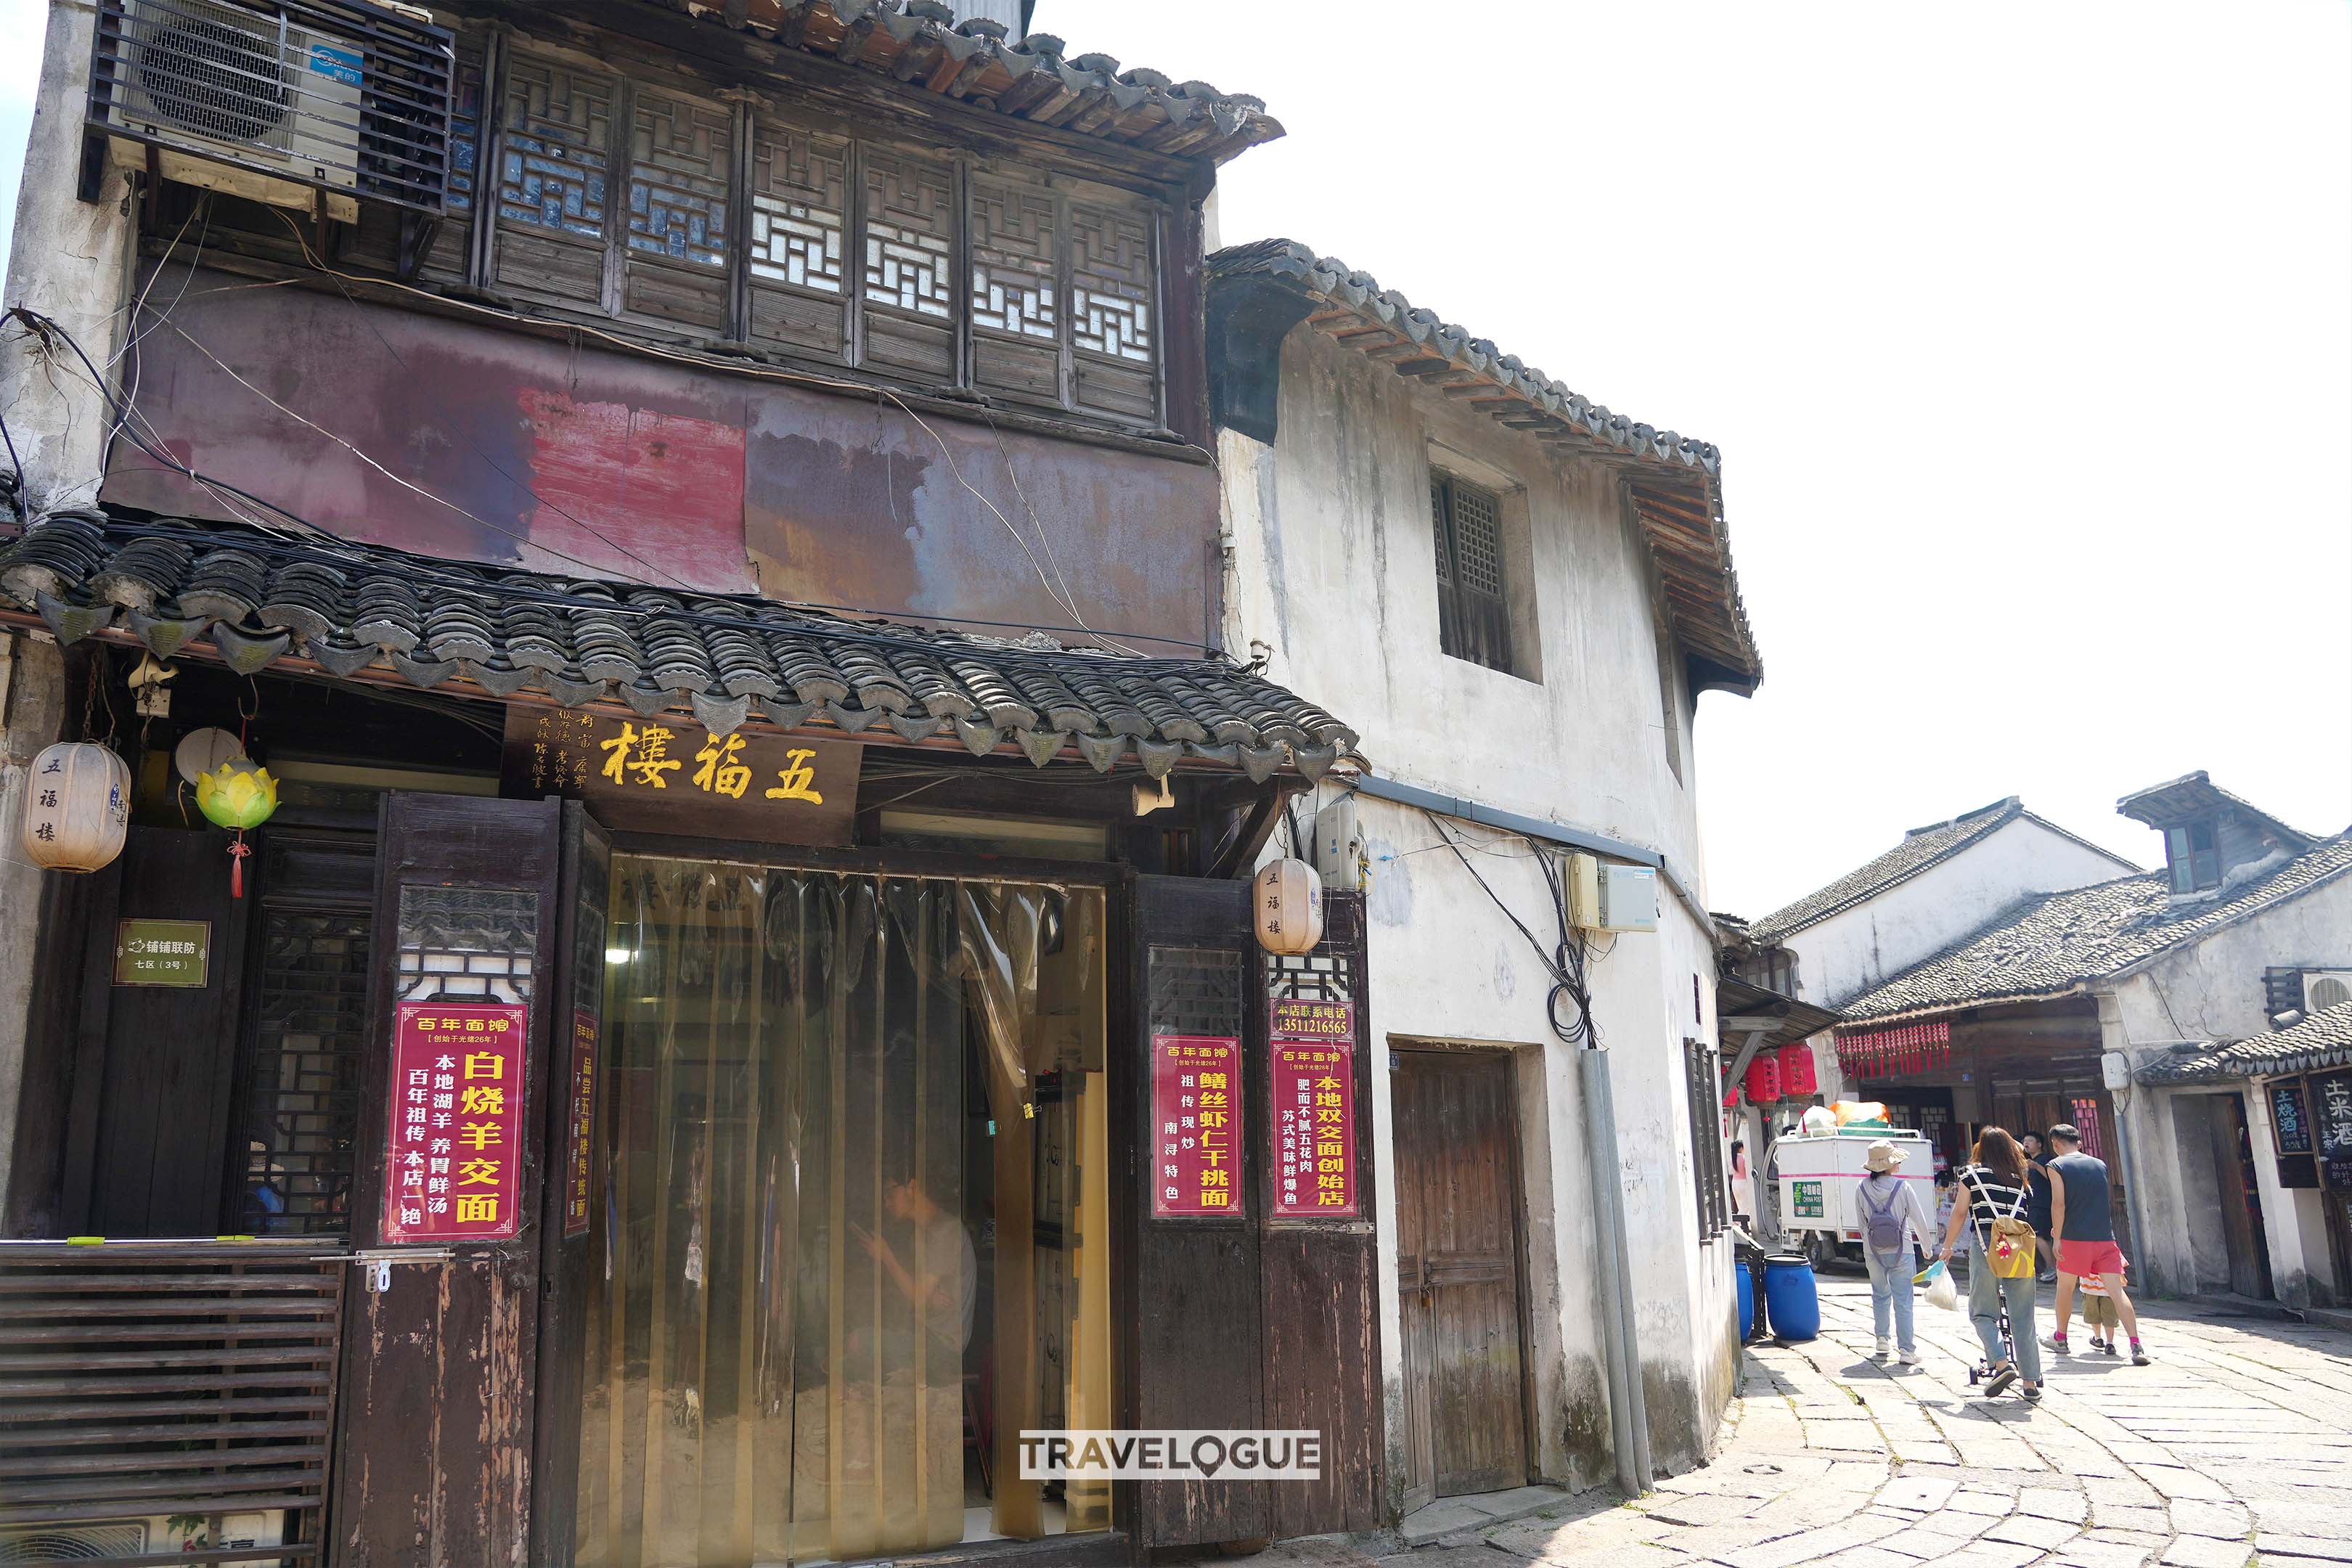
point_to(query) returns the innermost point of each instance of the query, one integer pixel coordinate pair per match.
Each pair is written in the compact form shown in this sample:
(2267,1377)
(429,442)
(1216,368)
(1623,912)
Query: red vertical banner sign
(453,1170)
(1312,1053)
(1196,1122)
(579,1124)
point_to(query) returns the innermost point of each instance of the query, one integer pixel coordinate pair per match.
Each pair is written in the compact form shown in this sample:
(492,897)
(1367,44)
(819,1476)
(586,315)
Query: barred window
(1474,618)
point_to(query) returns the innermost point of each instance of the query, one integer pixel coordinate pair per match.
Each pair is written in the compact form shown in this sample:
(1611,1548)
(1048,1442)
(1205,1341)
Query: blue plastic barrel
(1790,1297)
(1746,1301)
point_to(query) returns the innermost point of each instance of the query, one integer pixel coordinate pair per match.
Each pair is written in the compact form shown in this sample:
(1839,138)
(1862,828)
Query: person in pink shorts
(2080,1216)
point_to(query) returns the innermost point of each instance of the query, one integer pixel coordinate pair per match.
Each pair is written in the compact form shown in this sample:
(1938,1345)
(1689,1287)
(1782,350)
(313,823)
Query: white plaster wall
(1330,573)
(2212,989)
(1860,949)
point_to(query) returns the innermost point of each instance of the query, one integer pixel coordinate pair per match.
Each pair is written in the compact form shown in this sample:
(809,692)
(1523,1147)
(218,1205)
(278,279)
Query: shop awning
(1737,1000)
(259,600)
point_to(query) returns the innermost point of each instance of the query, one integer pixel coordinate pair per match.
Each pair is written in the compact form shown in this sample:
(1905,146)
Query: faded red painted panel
(508,449)
(676,484)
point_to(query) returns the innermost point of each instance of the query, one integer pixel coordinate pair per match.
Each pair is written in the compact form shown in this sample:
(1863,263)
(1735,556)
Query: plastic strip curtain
(782,1361)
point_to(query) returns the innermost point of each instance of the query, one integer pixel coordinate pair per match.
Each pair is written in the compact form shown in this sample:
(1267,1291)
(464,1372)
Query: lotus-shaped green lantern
(238,793)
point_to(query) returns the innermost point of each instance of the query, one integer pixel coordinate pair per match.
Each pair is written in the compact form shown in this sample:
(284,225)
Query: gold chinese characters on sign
(668,775)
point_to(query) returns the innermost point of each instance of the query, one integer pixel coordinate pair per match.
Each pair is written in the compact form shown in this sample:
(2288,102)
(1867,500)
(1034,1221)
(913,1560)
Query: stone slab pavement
(2235,1448)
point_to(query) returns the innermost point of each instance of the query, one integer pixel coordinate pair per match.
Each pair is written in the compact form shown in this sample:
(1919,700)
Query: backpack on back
(1882,1228)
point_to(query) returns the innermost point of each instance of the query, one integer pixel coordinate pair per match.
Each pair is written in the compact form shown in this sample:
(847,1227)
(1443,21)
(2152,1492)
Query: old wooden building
(747,999)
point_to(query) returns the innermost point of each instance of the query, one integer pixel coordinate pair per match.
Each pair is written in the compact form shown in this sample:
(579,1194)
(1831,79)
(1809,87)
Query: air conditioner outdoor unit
(153,1536)
(2326,988)
(287,102)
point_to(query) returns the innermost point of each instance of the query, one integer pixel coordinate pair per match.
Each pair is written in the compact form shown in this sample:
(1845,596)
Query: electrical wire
(429,570)
(1564,961)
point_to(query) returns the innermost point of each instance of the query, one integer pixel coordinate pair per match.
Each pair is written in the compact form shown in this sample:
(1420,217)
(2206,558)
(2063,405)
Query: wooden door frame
(1506,1056)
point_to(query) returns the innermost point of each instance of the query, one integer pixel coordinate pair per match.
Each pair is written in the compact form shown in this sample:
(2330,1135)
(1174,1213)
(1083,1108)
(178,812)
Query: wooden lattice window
(800,240)
(678,241)
(634,200)
(555,134)
(303,1071)
(1474,616)
(1701,1079)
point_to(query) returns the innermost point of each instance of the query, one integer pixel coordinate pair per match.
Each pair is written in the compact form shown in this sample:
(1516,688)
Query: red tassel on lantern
(1763,1080)
(1797,1079)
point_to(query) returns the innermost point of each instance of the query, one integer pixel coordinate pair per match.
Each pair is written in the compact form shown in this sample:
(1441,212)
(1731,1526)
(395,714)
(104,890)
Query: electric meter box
(1606,897)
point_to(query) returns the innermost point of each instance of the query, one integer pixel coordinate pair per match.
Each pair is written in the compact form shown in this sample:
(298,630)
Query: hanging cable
(1563,961)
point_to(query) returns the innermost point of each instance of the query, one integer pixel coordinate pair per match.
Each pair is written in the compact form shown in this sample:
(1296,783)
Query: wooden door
(1195,1355)
(2242,1214)
(1458,1176)
(148,1148)
(435,1424)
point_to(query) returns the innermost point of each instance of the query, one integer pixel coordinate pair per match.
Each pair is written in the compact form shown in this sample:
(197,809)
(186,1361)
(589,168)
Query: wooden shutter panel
(679,234)
(1017,323)
(1449,608)
(1474,519)
(800,240)
(908,293)
(555,140)
(1114,312)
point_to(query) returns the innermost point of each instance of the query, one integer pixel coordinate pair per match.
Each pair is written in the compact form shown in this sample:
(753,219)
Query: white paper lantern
(76,806)
(1287,900)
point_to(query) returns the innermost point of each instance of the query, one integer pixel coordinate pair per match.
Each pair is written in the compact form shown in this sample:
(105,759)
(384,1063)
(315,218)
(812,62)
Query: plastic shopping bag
(1941,1292)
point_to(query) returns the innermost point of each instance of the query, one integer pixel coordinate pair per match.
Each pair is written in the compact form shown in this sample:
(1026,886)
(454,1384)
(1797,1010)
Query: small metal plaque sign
(163,953)
(1809,1200)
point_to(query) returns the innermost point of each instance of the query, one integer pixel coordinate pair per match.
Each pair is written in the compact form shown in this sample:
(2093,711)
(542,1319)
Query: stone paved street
(2234,1447)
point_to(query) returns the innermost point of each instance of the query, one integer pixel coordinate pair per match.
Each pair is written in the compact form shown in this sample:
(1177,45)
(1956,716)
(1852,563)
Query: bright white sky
(2025,329)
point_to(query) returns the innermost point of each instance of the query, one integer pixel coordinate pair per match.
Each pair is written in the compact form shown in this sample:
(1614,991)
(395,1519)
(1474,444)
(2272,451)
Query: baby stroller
(1983,1370)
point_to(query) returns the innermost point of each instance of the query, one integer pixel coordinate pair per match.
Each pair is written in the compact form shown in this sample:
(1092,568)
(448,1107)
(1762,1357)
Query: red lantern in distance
(1797,1079)
(1763,1079)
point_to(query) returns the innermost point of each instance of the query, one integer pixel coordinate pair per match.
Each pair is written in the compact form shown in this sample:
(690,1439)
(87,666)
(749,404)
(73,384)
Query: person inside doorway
(943,1287)
(2081,1208)
(2037,1205)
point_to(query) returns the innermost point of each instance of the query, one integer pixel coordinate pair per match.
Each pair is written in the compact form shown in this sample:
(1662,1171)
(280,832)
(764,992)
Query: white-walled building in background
(1520,596)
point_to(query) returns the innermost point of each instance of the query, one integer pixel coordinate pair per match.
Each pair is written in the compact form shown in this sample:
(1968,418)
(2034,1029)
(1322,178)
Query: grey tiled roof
(1675,479)
(2055,941)
(1920,849)
(1035,80)
(367,613)
(2322,1040)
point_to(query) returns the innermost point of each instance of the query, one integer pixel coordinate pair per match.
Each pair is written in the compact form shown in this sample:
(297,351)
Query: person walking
(1892,1219)
(1994,1184)
(2037,1205)
(2081,1208)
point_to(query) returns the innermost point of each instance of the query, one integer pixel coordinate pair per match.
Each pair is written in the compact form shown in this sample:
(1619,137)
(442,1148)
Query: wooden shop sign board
(668,774)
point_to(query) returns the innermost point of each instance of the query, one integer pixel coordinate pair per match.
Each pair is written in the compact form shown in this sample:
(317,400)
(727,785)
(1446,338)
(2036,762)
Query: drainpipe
(1628,1416)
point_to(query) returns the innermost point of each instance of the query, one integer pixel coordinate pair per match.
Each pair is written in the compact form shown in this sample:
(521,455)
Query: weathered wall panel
(503,446)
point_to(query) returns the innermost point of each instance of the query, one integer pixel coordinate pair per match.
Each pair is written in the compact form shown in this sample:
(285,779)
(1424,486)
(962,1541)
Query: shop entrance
(1458,1174)
(852,1230)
